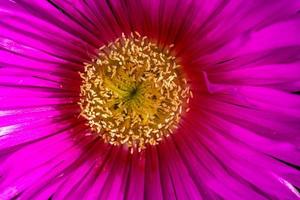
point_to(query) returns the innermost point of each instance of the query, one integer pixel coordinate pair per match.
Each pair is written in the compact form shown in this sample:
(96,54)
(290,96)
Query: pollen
(133,93)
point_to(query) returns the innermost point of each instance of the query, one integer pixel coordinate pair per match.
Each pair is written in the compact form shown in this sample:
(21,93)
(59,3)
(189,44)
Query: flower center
(133,93)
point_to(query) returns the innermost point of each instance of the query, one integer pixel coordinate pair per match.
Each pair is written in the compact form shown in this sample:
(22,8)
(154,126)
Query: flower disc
(134,93)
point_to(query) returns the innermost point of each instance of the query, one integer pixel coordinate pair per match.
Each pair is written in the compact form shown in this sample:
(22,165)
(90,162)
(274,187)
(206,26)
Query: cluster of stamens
(133,93)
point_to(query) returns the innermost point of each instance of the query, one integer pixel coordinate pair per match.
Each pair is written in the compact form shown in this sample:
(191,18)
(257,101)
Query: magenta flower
(140,99)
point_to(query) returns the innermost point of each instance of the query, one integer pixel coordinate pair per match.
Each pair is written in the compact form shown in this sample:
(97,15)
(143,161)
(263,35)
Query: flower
(236,130)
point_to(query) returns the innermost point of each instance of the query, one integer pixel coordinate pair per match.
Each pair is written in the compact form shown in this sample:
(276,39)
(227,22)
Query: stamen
(134,92)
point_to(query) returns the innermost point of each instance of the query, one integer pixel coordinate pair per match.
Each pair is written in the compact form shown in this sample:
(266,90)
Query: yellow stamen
(133,93)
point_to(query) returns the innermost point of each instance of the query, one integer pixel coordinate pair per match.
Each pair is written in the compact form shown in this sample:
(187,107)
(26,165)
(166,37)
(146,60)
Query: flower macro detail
(133,93)
(150,99)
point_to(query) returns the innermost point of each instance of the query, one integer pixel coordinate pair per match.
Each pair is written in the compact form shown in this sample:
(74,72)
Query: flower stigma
(133,93)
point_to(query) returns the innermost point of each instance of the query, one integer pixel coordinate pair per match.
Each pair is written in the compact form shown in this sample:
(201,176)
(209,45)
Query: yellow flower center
(134,92)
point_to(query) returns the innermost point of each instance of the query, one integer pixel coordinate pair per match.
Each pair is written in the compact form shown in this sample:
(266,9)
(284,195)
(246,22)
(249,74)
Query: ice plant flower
(140,99)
